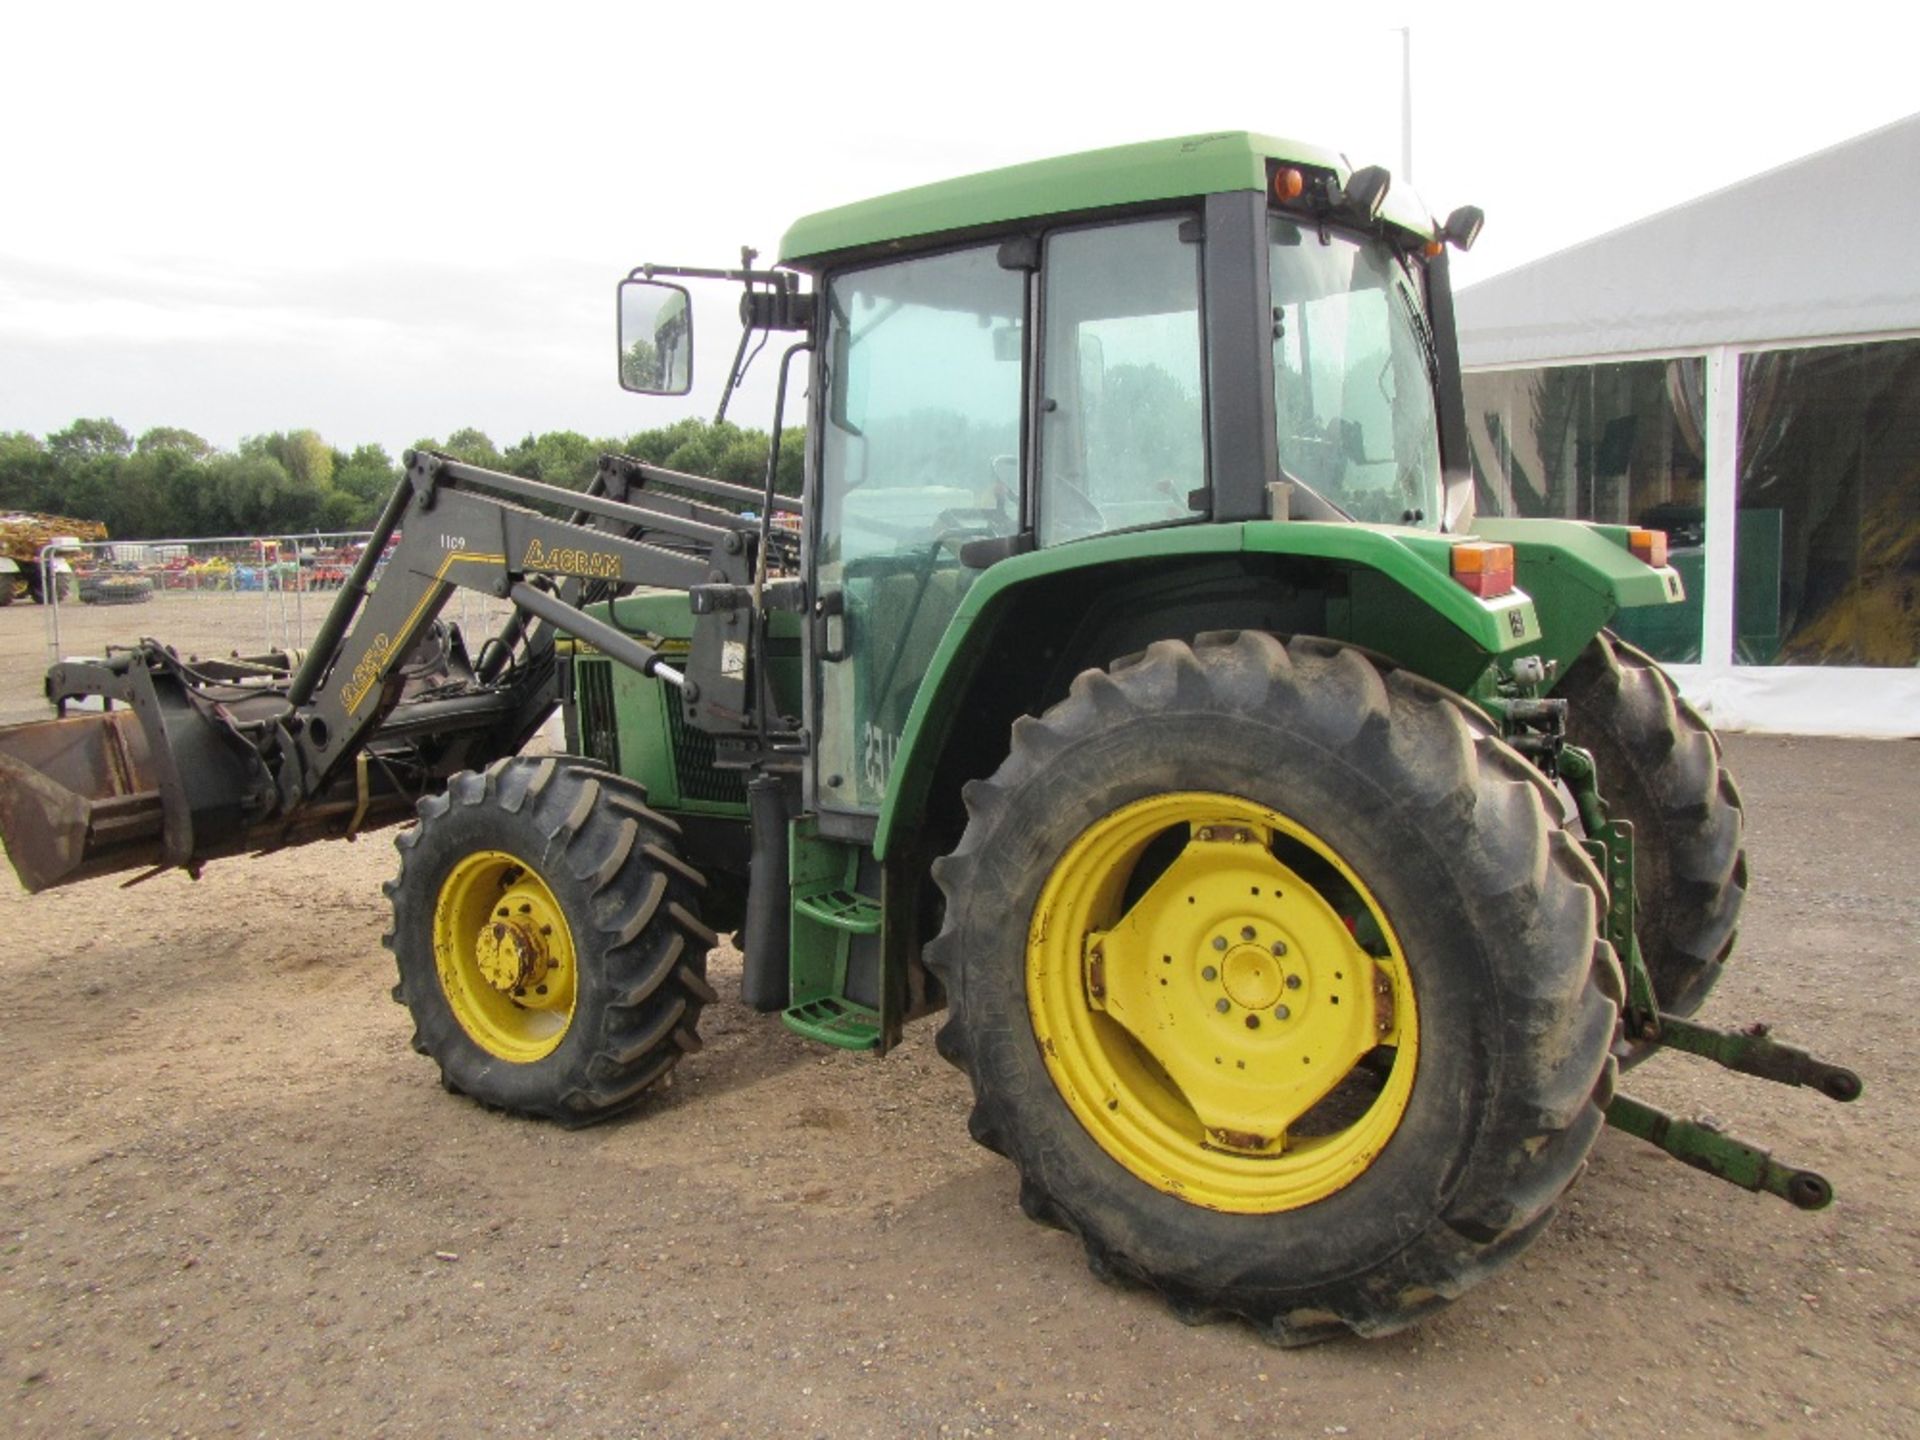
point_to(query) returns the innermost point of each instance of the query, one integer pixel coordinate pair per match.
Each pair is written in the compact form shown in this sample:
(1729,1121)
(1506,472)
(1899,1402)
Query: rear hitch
(1751,1051)
(1700,1145)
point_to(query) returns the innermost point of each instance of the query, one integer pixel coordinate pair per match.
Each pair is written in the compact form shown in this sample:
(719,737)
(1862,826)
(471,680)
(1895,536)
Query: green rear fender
(1386,589)
(1580,576)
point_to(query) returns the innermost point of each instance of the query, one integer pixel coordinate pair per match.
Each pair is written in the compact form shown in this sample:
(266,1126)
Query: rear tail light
(1483,567)
(1649,547)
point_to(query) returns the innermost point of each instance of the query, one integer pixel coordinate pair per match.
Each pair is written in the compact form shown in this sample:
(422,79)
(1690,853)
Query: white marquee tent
(1744,371)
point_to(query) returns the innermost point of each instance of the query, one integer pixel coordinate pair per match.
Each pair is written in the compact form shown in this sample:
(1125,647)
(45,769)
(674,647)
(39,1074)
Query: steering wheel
(1078,514)
(973,523)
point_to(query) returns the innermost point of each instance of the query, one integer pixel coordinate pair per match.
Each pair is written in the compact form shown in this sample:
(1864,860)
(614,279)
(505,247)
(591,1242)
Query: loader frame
(196,759)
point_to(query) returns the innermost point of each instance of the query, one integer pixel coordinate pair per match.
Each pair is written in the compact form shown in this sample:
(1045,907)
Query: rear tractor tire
(1659,765)
(1279,981)
(548,939)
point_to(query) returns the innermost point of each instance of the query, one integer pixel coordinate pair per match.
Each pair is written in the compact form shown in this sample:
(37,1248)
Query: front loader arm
(458,535)
(194,760)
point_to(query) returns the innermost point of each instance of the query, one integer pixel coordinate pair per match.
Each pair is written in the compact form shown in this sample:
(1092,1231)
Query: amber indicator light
(1648,546)
(1288,183)
(1483,567)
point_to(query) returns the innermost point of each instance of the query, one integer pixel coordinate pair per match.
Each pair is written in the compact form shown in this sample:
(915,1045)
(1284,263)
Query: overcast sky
(392,220)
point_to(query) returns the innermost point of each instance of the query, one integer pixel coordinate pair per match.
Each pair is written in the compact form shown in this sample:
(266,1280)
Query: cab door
(921,423)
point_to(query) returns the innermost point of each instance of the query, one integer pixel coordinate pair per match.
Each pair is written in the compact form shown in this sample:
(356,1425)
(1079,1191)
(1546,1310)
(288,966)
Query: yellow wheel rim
(1208,1024)
(505,956)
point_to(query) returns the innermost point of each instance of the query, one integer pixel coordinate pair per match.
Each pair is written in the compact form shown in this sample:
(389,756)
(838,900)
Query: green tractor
(1296,859)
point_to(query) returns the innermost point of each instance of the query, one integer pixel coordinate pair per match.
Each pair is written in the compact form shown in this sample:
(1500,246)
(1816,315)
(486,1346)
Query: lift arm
(193,760)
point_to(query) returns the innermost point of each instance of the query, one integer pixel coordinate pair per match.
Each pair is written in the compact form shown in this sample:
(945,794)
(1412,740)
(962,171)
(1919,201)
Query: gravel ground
(235,1202)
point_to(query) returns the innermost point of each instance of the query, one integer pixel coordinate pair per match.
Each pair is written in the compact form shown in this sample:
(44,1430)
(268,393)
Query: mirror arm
(780,279)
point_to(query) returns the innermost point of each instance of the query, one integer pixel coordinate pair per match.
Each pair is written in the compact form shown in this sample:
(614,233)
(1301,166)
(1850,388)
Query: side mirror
(1366,192)
(1463,227)
(656,338)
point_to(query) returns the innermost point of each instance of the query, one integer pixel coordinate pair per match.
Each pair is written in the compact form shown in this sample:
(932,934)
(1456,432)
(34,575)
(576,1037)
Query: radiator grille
(593,697)
(693,755)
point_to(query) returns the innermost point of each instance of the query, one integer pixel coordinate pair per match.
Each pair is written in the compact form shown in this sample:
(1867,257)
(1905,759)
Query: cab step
(836,1020)
(840,910)
(834,945)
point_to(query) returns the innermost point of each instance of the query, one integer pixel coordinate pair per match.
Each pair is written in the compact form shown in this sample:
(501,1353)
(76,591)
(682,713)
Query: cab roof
(1179,168)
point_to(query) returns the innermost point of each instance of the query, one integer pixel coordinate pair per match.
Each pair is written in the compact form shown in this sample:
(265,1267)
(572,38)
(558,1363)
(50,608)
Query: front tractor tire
(1279,981)
(548,939)
(1659,765)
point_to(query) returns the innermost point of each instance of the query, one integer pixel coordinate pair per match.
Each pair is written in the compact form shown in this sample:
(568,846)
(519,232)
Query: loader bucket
(78,798)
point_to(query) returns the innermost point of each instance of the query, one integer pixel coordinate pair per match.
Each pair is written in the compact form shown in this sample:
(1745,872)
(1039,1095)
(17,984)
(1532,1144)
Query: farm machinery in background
(1296,858)
(30,554)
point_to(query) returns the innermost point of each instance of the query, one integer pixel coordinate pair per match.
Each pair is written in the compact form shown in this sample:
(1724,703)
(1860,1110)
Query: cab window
(1122,434)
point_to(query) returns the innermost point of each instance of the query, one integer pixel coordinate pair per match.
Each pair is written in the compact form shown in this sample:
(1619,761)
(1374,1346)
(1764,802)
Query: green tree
(89,440)
(26,471)
(172,438)
(368,475)
(341,510)
(309,460)
(790,472)
(249,492)
(172,482)
(301,453)
(559,457)
(472,446)
(148,489)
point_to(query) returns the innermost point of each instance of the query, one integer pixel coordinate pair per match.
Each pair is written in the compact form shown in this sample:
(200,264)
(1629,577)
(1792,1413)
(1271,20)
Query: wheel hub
(1206,1017)
(505,955)
(1274,1012)
(512,955)
(1252,978)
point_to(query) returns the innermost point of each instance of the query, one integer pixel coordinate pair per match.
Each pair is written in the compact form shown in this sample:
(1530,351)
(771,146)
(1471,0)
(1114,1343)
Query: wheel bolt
(1279,947)
(1293,982)
(1222,1006)
(1246,932)
(1207,972)
(1219,942)
(1280,1012)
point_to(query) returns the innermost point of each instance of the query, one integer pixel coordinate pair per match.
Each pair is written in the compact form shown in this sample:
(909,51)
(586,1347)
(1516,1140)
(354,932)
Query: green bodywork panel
(635,727)
(1096,179)
(1579,574)
(1399,600)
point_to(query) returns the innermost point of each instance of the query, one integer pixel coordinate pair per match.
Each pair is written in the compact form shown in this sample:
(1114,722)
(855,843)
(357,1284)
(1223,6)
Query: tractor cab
(1159,338)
